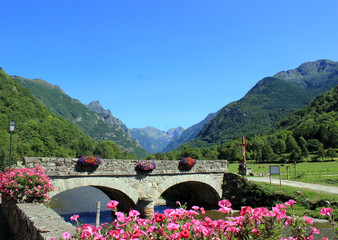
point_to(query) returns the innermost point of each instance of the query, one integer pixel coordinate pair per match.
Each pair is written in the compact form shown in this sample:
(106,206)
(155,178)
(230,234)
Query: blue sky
(163,63)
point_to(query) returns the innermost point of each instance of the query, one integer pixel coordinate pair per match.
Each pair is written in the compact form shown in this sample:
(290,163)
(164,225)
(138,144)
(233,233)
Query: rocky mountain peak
(96,107)
(107,116)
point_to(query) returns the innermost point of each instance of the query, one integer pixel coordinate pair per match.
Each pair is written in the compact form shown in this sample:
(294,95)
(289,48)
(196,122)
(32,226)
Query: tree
(267,153)
(291,143)
(313,145)
(303,146)
(280,146)
(296,155)
(210,153)
(321,152)
(107,149)
(189,151)
(331,153)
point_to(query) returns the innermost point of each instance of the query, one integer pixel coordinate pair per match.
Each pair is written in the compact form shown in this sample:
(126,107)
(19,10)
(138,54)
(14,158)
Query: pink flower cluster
(256,223)
(25,184)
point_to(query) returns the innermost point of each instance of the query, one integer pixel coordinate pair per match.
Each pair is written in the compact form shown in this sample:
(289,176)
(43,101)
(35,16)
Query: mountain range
(93,120)
(155,140)
(38,131)
(269,101)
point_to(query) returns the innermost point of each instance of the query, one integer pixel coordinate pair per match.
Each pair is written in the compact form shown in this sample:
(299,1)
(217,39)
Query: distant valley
(268,102)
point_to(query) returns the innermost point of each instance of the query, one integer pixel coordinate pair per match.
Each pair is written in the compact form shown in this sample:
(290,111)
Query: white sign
(274,170)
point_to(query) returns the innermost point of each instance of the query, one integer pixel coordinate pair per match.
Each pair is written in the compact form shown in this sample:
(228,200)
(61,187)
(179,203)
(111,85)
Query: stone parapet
(34,221)
(66,167)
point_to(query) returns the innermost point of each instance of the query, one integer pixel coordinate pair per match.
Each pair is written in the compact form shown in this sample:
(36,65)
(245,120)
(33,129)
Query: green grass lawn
(312,172)
(303,197)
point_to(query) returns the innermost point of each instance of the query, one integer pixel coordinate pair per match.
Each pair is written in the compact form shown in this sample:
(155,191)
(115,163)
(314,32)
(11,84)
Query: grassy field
(325,173)
(309,202)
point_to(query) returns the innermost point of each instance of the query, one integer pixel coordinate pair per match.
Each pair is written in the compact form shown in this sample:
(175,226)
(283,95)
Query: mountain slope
(38,131)
(74,111)
(153,139)
(269,101)
(318,76)
(318,120)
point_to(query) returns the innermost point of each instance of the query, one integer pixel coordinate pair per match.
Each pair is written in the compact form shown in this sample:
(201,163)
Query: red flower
(159,217)
(245,210)
(185,234)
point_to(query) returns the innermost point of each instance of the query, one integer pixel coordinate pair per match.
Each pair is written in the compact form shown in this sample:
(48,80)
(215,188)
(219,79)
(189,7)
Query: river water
(82,201)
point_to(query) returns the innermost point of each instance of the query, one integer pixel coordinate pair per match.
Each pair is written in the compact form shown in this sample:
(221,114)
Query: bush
(25,185)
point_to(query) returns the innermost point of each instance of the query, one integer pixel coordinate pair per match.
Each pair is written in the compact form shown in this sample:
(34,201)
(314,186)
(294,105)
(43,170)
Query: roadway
(310,186)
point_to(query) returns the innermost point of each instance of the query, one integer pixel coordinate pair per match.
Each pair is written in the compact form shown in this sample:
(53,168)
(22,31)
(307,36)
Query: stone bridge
(202,185)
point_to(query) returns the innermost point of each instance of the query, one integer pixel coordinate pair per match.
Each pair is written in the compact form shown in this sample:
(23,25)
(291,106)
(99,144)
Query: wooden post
(287,171)
(97,223)
(295,169)
(243,145)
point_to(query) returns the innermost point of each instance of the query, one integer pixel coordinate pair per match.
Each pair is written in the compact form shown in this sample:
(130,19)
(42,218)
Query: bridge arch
(197,188)
(115,188)
(193,193)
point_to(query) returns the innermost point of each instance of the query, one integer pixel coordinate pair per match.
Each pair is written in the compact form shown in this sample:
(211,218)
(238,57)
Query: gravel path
(311,186)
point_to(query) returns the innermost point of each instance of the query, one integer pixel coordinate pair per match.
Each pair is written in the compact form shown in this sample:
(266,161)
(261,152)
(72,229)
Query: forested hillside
(268,102)
(38,132)
(319,120)
(74,111)
(311,130)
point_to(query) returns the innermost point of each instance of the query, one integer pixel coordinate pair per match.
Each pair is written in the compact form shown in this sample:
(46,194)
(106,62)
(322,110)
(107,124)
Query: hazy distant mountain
(153,139)
(188,134)
(269,101)
(74,111)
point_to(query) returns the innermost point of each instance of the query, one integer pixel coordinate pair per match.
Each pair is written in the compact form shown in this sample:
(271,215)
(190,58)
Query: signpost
(275,170)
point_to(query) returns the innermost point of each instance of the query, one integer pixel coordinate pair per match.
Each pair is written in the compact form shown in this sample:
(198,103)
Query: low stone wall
(109,167)
(34,221)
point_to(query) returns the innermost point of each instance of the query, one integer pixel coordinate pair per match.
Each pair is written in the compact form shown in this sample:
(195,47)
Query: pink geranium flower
(290,203)
(173,226)
(66,235)
(326,211)
(112,204)
(134,213)
(314,230)
(224,203)
(308,220)
(74,217)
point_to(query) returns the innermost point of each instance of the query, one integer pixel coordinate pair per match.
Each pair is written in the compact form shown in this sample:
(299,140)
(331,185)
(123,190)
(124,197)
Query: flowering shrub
(89,160)
(257,223)
(187,163)
(145,166)
(25,184)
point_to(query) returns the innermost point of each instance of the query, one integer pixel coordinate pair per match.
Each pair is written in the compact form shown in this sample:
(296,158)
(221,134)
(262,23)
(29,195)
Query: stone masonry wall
(34,221)
(66,166)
